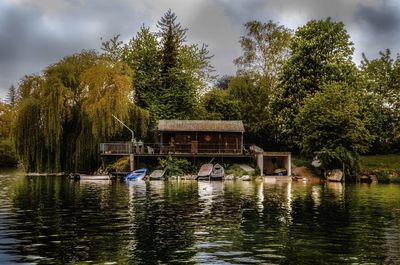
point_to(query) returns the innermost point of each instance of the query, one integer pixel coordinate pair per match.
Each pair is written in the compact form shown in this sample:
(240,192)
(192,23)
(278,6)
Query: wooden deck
(156,150)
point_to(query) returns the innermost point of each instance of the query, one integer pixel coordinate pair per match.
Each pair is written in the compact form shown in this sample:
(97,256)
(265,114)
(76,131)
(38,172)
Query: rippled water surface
(53,220)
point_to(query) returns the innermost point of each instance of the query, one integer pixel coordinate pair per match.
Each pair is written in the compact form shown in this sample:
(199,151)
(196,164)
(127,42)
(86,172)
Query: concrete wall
(267,162)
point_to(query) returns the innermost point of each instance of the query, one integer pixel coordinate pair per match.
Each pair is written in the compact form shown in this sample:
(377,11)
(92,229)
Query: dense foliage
(8,155)
(65,113)
(335,131)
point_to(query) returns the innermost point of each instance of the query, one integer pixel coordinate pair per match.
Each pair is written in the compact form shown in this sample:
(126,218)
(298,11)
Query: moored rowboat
(137,174)
(217,172)
(205,171)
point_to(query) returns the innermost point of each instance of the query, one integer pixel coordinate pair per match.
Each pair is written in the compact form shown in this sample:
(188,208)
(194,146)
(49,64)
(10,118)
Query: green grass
(374,162)
(299,161)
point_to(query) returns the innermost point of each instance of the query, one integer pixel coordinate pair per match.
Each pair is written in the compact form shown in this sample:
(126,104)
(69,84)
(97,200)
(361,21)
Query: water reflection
(54,220)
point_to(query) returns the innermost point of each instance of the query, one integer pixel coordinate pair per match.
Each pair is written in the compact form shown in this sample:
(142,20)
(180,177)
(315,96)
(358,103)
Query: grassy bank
(386,168)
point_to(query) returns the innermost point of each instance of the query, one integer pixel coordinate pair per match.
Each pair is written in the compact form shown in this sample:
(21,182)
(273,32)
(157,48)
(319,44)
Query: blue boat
(137,174)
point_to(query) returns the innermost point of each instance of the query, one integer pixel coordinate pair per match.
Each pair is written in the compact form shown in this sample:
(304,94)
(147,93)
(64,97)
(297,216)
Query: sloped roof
(200,126)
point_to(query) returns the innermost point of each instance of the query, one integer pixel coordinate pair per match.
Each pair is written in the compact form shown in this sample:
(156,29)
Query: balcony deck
(157,150)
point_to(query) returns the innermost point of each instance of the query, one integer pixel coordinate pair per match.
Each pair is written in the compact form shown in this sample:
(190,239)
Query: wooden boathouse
(201,136)
(198,138)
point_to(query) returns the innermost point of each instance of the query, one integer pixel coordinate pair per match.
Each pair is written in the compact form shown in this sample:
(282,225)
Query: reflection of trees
(163,223)
(68,221)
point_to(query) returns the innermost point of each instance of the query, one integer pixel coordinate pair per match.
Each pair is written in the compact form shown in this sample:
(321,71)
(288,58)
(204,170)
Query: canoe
(205,171)
(137,174)
(157,174)
(217,172)
(89,177)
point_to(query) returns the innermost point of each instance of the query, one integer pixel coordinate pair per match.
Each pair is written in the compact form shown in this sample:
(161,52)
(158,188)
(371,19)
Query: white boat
(217,172)
(89,177)
(205,171)
(157,174)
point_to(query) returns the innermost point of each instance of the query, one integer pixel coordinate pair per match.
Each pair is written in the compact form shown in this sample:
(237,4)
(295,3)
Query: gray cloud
(33,37)
(379,26)
(35,33)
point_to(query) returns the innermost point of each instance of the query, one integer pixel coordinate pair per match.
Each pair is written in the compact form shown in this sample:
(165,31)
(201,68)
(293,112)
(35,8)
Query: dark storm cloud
(378,27)
(36,33)
(384,20)
(32,38)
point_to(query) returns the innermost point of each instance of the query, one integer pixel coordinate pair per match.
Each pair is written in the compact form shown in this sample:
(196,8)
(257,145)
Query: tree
(12,96)
(184,70)
(265,48)
(223,82)
(253,97)
(142,55)
(331,126)
(7,150)
(169,75)
(321,54)
(381,86)
(65,113)
(221,106)
(172,37)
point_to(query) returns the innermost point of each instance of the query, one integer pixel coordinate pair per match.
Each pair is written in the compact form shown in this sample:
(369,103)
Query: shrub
(175,166)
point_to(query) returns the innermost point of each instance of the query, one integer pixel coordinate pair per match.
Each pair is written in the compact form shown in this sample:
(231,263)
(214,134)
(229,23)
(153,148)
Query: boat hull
(157,175)
(217,172)
(136,175)
(205,172)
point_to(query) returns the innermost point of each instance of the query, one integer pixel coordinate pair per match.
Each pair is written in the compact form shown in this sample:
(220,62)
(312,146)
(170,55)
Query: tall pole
(131,156)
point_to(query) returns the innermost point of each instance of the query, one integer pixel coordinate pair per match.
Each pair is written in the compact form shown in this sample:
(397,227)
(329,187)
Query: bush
(121,165)
(8,157)
(339,158)
(175,166)
(235,170)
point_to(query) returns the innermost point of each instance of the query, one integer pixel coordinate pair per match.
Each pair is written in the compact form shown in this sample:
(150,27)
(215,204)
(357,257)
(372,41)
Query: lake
(54,220)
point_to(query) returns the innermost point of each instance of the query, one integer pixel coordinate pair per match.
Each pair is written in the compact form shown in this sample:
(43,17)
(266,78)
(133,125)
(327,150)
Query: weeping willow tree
(66,112)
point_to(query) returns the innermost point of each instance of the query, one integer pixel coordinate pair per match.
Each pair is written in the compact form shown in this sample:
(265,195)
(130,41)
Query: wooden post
(132,161)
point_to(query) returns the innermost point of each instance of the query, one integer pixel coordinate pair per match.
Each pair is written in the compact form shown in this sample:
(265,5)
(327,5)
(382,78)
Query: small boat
(280,172)
(157,174)
(205,171)
(245,178)
(137,174)
(89,177)
(217,172)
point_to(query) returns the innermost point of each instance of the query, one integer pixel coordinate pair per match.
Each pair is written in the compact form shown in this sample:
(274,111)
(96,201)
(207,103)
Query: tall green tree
(143,56)
(265,48)
(381,86)
(169,75)
(172,36)
(12,96)
(184,70)
(331,127)
(65,113)
(321,53)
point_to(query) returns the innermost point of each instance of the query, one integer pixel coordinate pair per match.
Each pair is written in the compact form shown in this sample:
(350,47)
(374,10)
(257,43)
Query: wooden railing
(125,148)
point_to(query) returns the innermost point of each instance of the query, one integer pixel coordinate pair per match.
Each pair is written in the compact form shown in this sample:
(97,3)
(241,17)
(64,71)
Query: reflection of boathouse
(201,136)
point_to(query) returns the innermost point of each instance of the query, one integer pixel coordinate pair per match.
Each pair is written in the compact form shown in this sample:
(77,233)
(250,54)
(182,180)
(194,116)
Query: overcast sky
(36,33)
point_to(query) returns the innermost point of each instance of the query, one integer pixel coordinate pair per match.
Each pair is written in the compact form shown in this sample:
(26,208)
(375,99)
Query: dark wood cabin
(201,136)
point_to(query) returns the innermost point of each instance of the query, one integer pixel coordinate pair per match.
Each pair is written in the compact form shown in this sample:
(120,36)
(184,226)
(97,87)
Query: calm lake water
(53,220)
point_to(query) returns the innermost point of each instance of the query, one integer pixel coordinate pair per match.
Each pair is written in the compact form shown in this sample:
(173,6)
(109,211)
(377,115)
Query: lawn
(373,162)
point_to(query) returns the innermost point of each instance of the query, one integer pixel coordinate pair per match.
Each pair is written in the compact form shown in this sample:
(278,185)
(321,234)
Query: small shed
(274,163)
(201,136)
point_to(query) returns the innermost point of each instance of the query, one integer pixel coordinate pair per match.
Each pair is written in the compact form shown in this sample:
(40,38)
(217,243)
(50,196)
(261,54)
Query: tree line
(294,90)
